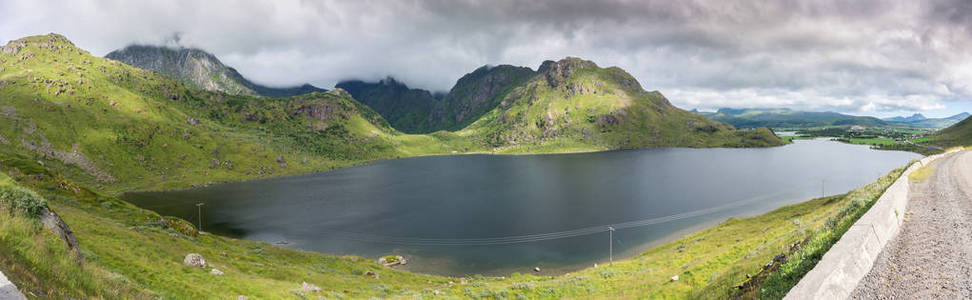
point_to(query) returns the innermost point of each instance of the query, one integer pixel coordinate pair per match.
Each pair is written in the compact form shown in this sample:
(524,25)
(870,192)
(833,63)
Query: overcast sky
(861,57)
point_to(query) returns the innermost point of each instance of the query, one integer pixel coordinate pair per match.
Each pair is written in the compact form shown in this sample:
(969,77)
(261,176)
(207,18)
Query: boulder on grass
(392,260)
(195,260)
(307,287)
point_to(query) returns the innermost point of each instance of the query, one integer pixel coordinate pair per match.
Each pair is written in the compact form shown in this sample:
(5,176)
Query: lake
(498,214)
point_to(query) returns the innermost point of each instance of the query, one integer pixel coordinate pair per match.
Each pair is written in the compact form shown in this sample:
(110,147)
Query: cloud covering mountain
(877,57)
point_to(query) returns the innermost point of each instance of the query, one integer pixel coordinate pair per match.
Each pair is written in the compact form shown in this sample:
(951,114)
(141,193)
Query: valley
(519,149)
(78,131)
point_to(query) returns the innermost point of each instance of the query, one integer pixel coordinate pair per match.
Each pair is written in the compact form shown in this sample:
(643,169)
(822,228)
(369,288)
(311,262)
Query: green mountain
(420,111)
(477,93)
(406,109)
(200,69)
(108,124)
(919,120)
(959,134)
(99,120)
(574,104)
(569,105)
(76,130)
(787,118)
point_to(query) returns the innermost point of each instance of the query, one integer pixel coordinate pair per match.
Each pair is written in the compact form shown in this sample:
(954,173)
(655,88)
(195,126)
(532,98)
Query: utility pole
(611,245)
(823,183)
(199,207)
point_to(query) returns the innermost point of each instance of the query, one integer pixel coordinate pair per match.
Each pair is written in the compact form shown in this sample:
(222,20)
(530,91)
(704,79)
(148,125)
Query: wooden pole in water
(610,245)
(199,207)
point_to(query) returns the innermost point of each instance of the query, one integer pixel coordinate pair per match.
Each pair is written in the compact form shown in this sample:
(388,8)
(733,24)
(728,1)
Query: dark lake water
(494,214)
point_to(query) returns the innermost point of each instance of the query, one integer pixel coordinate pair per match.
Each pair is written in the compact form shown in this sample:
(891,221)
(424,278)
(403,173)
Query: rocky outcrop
(54,223)
(392,260)
(200,69)
(310,288)
(74,156)
(557,72)
(321,111)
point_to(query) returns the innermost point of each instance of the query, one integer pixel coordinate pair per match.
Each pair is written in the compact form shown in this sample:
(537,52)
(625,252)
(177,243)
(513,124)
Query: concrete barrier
(8,290)
(851,258)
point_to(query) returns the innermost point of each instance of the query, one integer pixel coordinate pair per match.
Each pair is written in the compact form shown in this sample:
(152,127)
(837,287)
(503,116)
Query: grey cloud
(872,55)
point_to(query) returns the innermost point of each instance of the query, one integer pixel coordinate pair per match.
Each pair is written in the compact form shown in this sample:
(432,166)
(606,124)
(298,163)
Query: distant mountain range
(569,102)
(787,118)
(903,119)
(919,120)
(200,69)
(420,111)
(107,122)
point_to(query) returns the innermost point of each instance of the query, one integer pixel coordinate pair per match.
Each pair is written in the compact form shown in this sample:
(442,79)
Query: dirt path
(931,258)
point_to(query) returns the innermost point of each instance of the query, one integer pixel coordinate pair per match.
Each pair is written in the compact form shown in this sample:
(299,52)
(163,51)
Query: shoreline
(572,267)
(368,162)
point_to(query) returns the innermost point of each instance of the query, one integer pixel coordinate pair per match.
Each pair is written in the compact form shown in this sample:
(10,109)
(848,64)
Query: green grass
(132,252)
(921,174)
(877,141)
(77,129)
(113,127)
(821,238)
(38,261)
(959,134)
(594,109)
(116,128)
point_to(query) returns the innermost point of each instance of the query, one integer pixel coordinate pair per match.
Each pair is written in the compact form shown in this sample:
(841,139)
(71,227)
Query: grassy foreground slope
(135,253)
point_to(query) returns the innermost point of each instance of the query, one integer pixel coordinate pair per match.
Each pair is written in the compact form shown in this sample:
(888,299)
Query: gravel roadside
(931,258)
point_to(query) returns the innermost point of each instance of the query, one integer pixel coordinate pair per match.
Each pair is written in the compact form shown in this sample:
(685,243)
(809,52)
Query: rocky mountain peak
(199,69)
(557,72)
(50,41)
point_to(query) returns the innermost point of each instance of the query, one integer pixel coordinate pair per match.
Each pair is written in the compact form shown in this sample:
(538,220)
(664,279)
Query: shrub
(181,226)
(22,200)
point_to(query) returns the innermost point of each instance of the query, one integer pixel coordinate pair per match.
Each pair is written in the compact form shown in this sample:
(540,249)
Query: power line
(505,240)
(365,237)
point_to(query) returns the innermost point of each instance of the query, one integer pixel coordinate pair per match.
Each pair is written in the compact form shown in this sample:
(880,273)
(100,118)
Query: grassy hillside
(135,253)
(575,104)
(405,108)
(115,127)
(419,111)
(75,130)
(107,124)
(959,134)
(476,94)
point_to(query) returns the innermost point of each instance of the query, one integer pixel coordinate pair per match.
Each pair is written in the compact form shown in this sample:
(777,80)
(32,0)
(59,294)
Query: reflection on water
(493,215)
